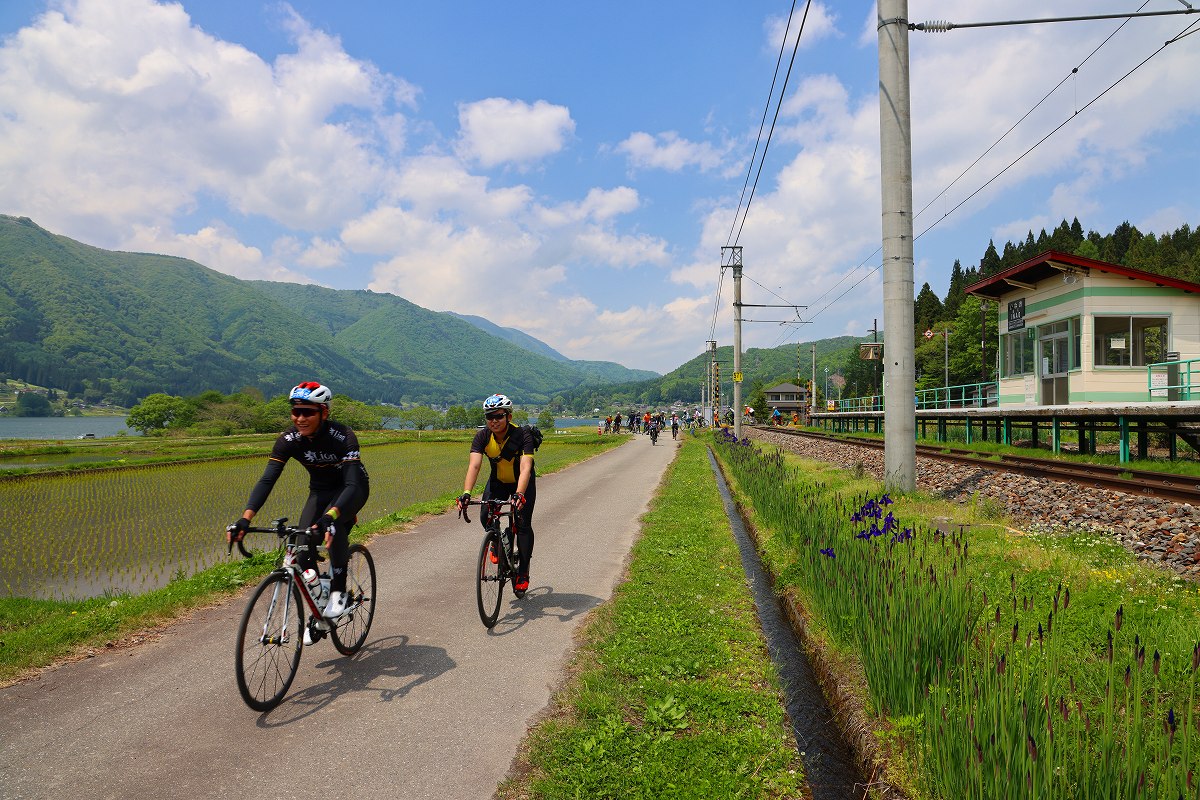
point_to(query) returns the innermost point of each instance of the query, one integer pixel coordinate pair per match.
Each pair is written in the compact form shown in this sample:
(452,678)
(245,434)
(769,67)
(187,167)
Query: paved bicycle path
(418,713)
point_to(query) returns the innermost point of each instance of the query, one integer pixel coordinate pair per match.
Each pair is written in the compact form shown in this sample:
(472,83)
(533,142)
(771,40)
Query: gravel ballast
(1157,531)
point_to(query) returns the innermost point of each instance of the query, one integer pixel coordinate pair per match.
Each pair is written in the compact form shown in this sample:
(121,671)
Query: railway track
(1143,483)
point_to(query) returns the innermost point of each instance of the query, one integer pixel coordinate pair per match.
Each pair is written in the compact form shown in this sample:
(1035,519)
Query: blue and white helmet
(310,392)
(497,402)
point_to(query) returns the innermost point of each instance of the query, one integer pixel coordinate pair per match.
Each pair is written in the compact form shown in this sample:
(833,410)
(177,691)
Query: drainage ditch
(829,765)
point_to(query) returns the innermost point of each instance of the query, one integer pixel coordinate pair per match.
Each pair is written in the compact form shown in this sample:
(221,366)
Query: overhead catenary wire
(1186,31)
(1183,33)
(766,145)
(1034,107)
(763,122)
(778,105)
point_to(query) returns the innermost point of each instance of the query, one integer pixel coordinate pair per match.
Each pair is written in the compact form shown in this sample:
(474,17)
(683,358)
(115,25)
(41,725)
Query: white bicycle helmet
(497,402)
(310,392)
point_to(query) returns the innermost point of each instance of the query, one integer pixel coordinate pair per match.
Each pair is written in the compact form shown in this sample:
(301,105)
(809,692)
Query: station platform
(1131,424)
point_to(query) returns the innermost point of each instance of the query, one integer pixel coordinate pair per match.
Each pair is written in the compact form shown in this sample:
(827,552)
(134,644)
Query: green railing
(1168,381)
(872,403)
(968,395)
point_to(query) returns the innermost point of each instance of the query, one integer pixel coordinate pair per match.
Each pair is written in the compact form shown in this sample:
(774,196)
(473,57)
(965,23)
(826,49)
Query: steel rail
(1144,483)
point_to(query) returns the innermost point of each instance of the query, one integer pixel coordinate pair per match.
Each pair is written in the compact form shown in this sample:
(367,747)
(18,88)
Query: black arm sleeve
(356,484)
(258,495)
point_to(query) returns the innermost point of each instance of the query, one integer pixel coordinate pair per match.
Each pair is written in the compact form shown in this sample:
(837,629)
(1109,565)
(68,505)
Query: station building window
(1127,341)
(1018,352)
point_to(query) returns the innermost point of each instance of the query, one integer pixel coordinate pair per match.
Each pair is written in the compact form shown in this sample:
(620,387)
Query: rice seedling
(82,534)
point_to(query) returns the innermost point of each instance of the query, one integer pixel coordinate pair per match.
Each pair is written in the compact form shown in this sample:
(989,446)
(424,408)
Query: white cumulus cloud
(498,130)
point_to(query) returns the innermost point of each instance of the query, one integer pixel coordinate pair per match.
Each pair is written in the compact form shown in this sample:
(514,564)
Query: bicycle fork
(282,637)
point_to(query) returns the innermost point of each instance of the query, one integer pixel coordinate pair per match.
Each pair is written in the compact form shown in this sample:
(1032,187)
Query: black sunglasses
(494,417)
(304,412)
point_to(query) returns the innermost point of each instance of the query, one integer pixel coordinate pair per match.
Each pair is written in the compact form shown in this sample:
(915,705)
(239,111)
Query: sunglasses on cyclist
(304,412)
(495,417)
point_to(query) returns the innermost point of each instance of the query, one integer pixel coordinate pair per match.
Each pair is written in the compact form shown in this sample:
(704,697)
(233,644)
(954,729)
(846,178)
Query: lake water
(74,427)
(61,427)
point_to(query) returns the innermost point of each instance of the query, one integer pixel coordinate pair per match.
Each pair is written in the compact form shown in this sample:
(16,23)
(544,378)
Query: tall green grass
(673,694)
(1004,683)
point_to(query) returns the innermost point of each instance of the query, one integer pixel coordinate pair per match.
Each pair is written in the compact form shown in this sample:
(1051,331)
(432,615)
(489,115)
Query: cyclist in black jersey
(338,485)
(509,449)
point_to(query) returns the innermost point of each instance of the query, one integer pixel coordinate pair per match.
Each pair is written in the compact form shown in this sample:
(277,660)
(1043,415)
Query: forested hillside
(759,367)
(77,317)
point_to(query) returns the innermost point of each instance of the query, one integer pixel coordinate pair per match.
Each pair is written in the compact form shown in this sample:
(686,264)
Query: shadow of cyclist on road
(539,602)
(390,667)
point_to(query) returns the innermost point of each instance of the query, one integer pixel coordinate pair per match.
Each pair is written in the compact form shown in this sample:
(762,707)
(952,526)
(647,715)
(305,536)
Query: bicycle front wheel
(491,576)
(350,630)
(269,641)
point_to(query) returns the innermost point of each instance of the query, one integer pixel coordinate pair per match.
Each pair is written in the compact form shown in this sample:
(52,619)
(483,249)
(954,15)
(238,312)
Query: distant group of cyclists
(650,423)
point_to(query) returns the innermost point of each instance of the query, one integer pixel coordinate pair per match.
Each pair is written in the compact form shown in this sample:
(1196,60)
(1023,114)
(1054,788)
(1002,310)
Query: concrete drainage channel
(829,765)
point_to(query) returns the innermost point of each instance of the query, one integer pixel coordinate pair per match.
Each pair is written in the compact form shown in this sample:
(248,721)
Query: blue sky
(573,169)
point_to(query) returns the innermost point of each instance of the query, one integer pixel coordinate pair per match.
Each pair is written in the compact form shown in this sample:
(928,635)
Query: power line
(1025,116)
(1057,128)
(770,133)
(1183,33)
(763,122)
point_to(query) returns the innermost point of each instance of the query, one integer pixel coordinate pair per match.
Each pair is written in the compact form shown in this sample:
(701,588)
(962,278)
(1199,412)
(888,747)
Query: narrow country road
(434,706)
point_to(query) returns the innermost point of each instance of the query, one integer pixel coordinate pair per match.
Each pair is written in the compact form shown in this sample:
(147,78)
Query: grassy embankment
(34,633)
(986,662)
(673,694)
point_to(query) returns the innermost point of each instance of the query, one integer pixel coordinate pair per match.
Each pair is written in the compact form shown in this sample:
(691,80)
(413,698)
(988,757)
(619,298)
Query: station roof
(784,388)
(1025,275)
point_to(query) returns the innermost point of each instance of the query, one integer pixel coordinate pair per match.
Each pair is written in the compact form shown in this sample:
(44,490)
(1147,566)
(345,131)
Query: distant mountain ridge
(609,371)
(73,315)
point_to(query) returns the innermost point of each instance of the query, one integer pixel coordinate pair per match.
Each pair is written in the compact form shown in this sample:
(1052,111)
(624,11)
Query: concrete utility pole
(710,347)
(715,392)
(895,145)
(735,259)
(812,386)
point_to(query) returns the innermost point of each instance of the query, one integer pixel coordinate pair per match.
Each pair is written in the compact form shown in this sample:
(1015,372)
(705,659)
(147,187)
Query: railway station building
(1075,332)
(788,398)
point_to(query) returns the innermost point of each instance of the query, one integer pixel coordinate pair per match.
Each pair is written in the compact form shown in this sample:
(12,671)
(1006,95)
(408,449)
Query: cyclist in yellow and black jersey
(509,449)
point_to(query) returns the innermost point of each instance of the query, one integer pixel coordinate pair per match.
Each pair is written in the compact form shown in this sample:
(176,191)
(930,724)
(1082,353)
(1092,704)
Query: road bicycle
(653,434)
(498,556)
(271,634)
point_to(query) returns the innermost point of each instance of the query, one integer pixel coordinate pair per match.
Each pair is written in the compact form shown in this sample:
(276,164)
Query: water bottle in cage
(505,540)
(313,581)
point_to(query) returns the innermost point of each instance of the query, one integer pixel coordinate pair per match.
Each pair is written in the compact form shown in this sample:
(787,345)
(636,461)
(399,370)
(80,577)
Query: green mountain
(76,316)
(605,371)
(765,366)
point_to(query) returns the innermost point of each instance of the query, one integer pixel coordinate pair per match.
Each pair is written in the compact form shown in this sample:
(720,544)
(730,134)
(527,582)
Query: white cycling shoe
(336,605)
(309,639)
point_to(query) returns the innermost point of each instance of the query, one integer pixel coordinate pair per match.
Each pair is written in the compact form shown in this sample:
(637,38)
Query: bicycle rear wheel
(491,576)
(350,630)
(269,641)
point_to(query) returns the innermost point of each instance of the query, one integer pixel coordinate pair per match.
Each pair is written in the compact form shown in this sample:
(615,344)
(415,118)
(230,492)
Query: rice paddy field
(74,535)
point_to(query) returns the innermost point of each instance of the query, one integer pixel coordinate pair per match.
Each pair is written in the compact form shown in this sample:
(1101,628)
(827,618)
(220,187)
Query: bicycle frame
(495,511)
(296,541)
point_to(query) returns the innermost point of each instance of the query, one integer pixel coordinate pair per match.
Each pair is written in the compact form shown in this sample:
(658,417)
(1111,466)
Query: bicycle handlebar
(280,529)
(497,507)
